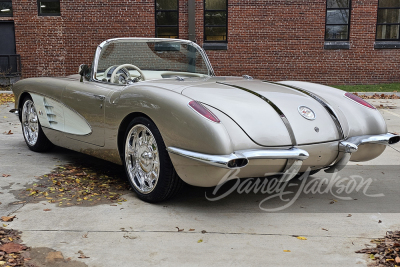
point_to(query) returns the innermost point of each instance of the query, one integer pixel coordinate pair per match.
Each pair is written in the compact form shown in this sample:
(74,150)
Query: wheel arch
(123,127)
(21,102)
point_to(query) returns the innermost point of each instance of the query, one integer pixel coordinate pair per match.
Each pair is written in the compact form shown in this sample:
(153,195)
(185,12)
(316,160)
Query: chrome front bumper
(294,156)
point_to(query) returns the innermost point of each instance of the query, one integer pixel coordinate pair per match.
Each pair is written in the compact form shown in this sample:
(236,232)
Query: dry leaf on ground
(5,98)
(8,218)
(386,252)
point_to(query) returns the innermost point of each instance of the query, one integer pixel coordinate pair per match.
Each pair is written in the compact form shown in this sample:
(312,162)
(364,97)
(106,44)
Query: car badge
(307,113)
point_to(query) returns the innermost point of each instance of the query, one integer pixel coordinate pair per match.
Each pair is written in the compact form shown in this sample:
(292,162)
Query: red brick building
(325,41)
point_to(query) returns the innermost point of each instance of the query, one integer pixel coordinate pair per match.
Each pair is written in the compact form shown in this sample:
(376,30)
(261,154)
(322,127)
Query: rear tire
(34,137)
(147,164)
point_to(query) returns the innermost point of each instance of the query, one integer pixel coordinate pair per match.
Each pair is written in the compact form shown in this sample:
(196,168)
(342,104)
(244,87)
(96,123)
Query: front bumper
(294,156)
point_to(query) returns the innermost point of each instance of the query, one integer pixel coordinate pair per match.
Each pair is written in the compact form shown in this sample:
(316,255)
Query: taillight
(202,110)
(359,100)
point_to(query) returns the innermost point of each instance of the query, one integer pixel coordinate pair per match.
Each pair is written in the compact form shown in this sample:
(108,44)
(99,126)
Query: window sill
(387,44)
(334,45)
(49,15)
(215,46)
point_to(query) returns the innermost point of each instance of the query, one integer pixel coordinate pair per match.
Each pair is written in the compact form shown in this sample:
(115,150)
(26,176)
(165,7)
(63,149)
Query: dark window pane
(49,7)
(215,33)
(340,16)
(166,4)
(387,32)
(167,18)
(389,16)
(215,4)
(215,18)
(6,9)
(338,3)
(167,32)
(389,3)
(337,32)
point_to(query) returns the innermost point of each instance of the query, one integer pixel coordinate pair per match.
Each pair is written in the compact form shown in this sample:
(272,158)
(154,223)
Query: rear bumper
(263,162)
(362,148)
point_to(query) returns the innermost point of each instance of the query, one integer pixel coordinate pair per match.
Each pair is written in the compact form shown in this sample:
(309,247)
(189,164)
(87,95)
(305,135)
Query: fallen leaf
(301,238)
(179,230)
(372,257)
(6,175)
(8,218)
(286,250)
(397,259)
(203,231)
(83,257)
(325,229)
(200,241)
(85,235)
(12,247)
(379,221)
(8,133)
(191,230)
(349,215)
(47,210)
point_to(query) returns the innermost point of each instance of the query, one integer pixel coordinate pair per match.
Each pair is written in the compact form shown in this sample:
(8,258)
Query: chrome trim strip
(320,100)
(222,161)
(103,44)
(275,107)
(291,153)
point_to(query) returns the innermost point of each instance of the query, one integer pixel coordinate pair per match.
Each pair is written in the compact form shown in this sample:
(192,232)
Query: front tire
(147,163)
(34,137)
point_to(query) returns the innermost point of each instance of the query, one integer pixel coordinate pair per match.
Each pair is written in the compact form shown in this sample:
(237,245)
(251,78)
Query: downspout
(191,20)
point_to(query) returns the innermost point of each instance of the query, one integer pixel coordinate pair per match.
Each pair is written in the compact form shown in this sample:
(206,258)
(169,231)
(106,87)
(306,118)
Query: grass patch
(386,87)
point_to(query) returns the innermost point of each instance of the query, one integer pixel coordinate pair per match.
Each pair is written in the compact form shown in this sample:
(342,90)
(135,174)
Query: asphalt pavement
(193,231)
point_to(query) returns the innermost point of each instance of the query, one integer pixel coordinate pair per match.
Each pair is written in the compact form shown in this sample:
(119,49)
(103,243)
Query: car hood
(267,112)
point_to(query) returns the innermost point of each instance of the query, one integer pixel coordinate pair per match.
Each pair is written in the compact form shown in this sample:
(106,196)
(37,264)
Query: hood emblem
(306,112)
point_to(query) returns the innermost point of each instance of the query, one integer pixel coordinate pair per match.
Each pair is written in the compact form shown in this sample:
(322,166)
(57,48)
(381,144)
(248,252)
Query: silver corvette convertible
(156,107)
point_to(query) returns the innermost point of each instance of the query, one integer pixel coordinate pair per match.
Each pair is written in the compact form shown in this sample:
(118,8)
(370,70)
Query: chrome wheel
(30,123)
(142,158)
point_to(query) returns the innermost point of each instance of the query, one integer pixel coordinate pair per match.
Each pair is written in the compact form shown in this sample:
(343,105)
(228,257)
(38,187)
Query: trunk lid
(255,106)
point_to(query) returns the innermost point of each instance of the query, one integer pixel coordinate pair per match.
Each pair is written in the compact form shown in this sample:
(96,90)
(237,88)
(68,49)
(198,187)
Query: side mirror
(84,71)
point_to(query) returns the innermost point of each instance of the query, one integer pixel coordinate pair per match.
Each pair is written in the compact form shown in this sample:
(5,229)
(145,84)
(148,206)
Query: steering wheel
(114,78)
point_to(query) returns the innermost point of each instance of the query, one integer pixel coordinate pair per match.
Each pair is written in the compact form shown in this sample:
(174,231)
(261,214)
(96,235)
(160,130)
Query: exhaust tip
(394,140)
(237,163)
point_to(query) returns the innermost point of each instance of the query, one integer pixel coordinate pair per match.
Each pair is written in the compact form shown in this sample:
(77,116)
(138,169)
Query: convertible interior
(128,73)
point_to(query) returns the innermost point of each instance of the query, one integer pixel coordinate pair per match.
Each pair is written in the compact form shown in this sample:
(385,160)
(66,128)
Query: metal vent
(51,117)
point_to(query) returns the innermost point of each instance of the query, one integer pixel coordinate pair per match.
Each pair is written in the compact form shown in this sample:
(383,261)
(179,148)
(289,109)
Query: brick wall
(268,39)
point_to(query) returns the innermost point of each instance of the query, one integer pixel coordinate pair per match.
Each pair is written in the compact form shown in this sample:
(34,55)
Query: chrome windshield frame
(143,40)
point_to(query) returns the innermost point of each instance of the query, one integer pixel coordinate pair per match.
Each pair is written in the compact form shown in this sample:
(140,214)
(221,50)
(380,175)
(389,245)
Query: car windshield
(156,59)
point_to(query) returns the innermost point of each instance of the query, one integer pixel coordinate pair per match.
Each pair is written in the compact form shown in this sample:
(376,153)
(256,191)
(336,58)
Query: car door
(88,100)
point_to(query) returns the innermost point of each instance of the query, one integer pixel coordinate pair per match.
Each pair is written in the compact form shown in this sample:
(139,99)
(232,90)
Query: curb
(6,92)
(378,93)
